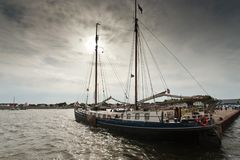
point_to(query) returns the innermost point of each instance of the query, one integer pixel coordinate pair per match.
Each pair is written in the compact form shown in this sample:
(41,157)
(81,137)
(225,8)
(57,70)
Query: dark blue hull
(154,130)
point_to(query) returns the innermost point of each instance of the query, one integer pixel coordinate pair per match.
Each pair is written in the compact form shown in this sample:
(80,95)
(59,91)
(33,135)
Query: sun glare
(90,45)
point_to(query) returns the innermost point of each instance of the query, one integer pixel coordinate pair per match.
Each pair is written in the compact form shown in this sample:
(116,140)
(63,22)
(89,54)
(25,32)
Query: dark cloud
(12,11)
(48,38)
(194,19)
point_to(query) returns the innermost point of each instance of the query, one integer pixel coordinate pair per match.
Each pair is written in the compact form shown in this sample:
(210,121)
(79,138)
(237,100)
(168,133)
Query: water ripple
(54,134)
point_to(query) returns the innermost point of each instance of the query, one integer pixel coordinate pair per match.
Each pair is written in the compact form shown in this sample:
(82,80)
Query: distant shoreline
(7,108)
(15,106)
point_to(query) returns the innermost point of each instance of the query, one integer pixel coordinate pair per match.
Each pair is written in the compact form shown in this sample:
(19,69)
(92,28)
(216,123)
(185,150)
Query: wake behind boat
(180,118)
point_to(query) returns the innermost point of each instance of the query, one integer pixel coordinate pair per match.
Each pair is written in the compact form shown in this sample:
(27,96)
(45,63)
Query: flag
(140,8)
(132,75)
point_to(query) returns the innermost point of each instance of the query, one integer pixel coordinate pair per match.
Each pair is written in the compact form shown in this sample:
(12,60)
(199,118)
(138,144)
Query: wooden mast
(96,63)
(136,56)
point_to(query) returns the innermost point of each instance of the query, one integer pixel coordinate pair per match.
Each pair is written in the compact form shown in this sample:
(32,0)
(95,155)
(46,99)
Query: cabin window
(99,115)
(146,115)
(129,116)
(104,116)
(137,116)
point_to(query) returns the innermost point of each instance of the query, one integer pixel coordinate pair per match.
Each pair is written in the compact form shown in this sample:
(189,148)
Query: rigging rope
(145,61)
(177,59)
(155,62)
(89,80)
(141,71)
(148,72)
(104,80)
(130,66)
(115,73)
(101,74)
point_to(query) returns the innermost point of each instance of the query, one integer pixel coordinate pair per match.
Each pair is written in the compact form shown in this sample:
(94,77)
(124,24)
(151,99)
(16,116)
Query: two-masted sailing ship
(151,120)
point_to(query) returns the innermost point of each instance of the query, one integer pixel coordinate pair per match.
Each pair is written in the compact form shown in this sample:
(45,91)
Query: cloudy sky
(46,46)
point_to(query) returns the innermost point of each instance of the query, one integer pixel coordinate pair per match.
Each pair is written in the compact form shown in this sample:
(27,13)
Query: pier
(223,119)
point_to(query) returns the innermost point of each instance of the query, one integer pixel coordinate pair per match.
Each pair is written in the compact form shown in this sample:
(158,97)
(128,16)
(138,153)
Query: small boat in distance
(180,118)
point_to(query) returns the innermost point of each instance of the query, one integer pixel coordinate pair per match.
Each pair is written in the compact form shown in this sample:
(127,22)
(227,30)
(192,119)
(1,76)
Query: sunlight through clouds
(46,46)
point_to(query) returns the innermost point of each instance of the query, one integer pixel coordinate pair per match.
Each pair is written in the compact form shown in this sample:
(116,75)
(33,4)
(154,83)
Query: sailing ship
(151,121)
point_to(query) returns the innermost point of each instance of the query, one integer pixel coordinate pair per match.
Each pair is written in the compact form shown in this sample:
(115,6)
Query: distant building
(198,104)
(229,102)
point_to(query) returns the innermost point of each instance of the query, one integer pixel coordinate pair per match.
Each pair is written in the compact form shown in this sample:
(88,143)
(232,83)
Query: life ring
(202,120)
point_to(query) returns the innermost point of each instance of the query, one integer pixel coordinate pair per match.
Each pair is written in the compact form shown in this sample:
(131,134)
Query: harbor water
(54,134)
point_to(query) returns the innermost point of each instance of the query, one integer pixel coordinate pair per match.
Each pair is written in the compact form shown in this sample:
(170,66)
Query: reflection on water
(54,134)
